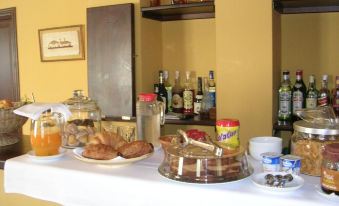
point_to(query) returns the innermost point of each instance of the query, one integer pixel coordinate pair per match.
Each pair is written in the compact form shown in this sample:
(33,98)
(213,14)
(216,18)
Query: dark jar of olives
(330,169)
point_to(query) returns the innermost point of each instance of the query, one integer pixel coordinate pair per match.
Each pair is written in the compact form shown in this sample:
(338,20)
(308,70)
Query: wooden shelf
(199,10)
(305,6)
(193,121)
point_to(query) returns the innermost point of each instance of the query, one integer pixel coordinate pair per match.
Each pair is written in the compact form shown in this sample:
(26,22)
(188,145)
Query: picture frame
(62,43)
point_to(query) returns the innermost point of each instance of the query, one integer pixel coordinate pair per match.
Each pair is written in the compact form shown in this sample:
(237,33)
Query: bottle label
(177,101)
(285,103)
(330,179)
(169,96)
(197,107)
(323,101)
(297,100)
(164,101)
(188,99)
(311,103)
(212,96)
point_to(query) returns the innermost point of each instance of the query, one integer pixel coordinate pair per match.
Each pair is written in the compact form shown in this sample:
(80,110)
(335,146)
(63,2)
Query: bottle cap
(188,74)
(165,74)
(286,72)
(177,74)
(228,122)
(147,97)
(325,77)
(311,78)
(331,152)
(299,72)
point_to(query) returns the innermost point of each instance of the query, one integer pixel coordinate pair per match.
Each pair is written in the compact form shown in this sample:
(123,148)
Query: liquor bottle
(162,90)
(324,92)
(168,88)
(336,97)
(211,87)
(156,91)
(311,94)
(177,95)
(285,98)
(206,103)
(188,95)
(298,94)
(198,97)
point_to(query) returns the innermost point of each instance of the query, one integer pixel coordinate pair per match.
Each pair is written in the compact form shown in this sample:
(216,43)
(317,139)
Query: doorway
(9,69)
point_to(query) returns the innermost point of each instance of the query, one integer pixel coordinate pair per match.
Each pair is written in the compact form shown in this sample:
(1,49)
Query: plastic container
(330,169)
(84,122)
(308,142)
(197,165)
(227,134)
(150,115)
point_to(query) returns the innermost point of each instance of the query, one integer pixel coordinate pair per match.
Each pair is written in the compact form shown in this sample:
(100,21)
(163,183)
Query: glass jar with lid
(308,142)
(84,122)
(330,169)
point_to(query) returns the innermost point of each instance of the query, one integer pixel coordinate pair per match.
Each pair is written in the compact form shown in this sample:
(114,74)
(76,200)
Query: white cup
(259,145)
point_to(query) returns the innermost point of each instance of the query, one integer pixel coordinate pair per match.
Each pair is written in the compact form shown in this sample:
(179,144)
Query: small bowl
(260,145)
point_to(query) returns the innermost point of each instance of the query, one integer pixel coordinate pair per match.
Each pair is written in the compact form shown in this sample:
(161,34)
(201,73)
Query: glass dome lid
(79,101)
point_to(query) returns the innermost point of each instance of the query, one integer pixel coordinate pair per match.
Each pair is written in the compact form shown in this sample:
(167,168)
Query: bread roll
(135,149)
(99,152)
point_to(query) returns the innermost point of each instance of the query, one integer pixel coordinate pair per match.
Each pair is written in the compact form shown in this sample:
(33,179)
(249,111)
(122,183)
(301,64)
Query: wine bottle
(285,99)
(162,90)
(324,92)
(311,94)
(211,87)
(168,88)
(177,95)
(298,94)
(188,95)
(198,97)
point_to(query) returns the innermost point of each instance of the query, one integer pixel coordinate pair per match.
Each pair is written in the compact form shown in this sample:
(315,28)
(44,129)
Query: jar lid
(228,122)
(331,152)
(79,101)
(147,97)
(311,128)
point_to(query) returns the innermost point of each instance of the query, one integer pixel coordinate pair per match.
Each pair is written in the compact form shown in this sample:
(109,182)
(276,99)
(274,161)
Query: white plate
(329,196)
(32,155)
(116,161)
(259,180)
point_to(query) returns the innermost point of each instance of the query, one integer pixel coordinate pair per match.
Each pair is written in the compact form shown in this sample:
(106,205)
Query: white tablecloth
(69,181)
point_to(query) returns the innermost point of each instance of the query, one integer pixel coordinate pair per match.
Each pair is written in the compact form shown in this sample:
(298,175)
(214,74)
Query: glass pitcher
(46,134)
(150,115)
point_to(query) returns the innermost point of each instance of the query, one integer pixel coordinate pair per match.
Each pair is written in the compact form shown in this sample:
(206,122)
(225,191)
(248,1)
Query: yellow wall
(244,64)
(310,42)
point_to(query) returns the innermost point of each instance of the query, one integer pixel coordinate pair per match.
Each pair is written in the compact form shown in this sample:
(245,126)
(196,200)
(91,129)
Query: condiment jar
(227,134)
(84,122)
(330,169)
(150,115)
(308,142)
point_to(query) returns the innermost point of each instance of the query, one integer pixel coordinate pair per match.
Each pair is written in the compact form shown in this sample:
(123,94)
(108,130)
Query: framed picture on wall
(61,43)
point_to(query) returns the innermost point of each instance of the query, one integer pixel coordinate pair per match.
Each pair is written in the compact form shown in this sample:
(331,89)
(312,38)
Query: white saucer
(32,155)
(328,196)
(259,180)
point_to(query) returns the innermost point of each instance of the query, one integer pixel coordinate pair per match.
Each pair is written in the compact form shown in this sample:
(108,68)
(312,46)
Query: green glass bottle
(285,99)
(312,94)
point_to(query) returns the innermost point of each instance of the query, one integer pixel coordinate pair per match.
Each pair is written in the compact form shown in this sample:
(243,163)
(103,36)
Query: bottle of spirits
(156,91)
(177,95)
(311,94)
(285,99)
(336,97)
(324,92)
(298,94)
(206,103)
(211,87)
(162,90)
(198,97)
(168,88)
(188,95)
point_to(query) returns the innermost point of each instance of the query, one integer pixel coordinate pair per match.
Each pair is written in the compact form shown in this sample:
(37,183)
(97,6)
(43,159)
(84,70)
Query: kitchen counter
(69,181)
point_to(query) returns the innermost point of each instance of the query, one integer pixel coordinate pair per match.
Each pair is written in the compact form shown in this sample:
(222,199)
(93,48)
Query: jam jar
(330,169)
(84,122)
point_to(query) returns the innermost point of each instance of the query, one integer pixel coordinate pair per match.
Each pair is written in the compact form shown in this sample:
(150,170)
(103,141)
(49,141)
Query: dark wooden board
(305,6)
(111,75)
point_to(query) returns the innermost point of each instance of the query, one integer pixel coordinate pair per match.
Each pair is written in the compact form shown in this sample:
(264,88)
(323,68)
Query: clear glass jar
(330,169)
(84,122)
(46,134)
(308,142)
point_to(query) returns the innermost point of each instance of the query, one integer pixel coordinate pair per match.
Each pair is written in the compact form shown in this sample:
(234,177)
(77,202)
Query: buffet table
(69,181)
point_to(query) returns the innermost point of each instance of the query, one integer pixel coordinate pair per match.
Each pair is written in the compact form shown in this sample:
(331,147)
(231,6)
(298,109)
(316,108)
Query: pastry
(99,152)
(5,104)
(135,149)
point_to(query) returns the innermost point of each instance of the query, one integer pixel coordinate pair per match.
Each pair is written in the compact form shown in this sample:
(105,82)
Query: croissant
(99,152)
(135,149)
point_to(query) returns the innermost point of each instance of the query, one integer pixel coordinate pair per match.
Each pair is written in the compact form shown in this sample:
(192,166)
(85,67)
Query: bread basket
(10,123)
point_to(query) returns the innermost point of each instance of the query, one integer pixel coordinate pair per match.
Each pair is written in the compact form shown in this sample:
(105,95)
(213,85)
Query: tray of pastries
(110,148)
